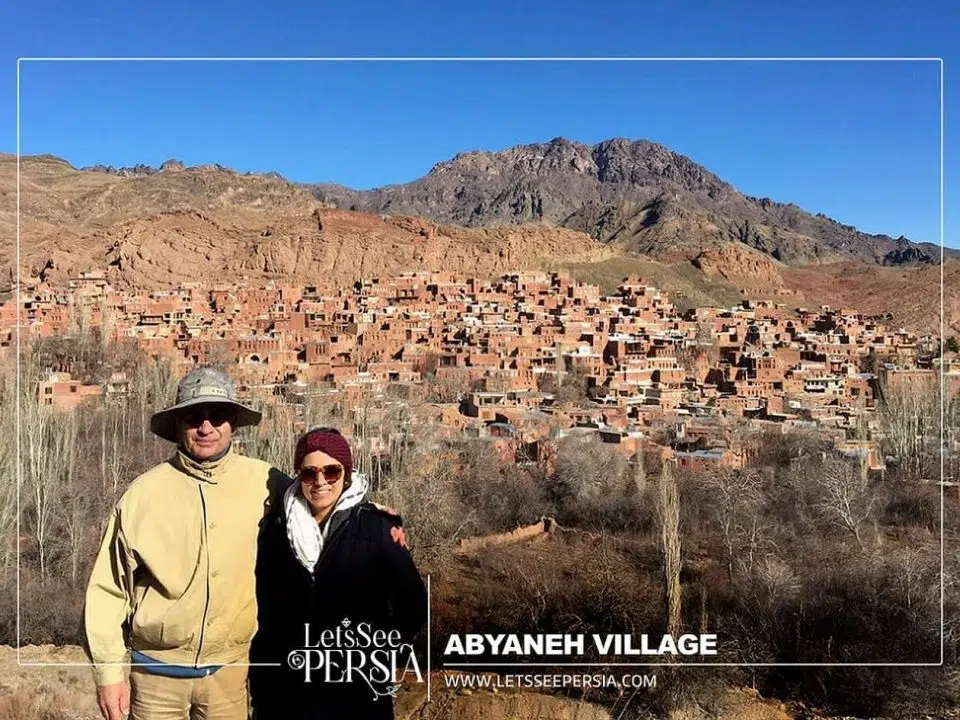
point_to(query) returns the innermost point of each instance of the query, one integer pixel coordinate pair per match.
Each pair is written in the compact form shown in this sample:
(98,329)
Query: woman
(339,600)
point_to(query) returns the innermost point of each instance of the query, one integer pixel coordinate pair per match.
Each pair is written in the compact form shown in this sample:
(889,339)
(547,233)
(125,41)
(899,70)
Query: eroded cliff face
(157,228)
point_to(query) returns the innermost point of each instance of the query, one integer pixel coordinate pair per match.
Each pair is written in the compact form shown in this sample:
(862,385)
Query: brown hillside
(158,228)
(910,295)
(182,224)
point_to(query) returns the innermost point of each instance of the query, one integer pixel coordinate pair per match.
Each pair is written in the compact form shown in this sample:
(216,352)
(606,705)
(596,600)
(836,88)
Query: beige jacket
(174,577)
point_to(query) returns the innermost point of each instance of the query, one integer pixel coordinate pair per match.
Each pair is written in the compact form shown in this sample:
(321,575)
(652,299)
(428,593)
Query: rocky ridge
(157,229)
(638,195)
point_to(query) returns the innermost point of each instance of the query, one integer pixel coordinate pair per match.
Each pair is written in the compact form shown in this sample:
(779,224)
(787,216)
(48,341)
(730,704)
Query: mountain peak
(617,191)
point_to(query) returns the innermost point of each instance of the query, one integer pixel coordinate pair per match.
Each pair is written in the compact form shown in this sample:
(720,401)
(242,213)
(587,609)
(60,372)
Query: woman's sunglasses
(330,473)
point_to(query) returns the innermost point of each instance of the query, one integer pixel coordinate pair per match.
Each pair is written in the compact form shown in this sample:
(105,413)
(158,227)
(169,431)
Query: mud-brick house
(485,405)
(157,345)
(621,348)
(867,451)
(951,375)
(446,415)
(859,389)
(258,349)
(906,378)
(623,441)
(61,391)
(8,314)
(631,372)
(393,372)
(316,372)
(738,405)
(706,459)
(511,379)
(674,376)
(583,294)
(291,322)
(478,359)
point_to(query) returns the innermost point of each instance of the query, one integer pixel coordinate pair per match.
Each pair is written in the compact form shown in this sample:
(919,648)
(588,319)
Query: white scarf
(303,531)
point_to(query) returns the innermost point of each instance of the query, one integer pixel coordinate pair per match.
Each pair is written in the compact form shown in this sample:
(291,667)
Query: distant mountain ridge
(638,195)
(153,228)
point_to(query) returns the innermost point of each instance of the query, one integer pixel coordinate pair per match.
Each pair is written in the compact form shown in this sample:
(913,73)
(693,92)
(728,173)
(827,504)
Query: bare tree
(587,470)
(163,388)
(275,438)
(71,513)
(846,495)
(427,495)
(50,441)
(737,500)
(639,473)
(114,423)
(910,419)
(8,467)
(668,507)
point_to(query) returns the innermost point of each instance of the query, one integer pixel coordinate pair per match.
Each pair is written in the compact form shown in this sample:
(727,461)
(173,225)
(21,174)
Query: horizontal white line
(480,59)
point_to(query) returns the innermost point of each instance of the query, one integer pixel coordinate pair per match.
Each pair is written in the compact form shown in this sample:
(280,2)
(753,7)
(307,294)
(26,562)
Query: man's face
(206,429)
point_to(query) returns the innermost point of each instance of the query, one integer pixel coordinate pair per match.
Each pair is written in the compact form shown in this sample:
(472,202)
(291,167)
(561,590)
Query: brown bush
(43,704)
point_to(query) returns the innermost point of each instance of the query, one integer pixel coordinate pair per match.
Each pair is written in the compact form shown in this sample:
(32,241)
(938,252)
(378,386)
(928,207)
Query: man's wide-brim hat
(199,387)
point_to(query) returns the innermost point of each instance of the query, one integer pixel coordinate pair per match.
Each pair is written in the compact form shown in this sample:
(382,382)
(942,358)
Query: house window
(48,391)
(73,388)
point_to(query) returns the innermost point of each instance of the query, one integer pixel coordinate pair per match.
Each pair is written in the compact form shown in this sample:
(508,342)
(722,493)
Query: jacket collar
(205,470)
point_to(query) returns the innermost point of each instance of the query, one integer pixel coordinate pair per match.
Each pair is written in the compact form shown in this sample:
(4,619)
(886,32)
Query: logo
(347,654)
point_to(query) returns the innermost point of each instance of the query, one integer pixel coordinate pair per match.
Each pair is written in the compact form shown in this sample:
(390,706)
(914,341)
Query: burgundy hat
(329,441)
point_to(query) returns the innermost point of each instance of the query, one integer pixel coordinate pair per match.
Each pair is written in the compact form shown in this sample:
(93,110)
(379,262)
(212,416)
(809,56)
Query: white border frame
(628,59)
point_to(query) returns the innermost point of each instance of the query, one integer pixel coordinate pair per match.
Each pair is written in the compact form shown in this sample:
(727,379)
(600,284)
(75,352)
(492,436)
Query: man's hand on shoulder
(396,532)
(114,700)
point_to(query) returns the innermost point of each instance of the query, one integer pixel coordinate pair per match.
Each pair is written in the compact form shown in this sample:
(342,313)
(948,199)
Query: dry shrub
(594,488)
(51,613)
(427,498)
(23,704)
(907,504)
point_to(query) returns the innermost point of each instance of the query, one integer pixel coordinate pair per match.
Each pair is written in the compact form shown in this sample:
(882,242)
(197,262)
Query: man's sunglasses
(330,473)
(217,415)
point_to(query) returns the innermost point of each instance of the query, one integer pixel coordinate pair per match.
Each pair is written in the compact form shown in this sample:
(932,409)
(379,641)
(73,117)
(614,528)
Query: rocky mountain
(156,229)
(637,195)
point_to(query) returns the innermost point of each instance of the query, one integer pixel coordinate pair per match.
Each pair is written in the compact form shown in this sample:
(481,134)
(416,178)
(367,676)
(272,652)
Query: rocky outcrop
(636,194)
(739,263)
(338,246)
(907,253)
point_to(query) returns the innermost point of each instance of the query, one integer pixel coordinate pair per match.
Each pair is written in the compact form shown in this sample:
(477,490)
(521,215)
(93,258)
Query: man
(174,577)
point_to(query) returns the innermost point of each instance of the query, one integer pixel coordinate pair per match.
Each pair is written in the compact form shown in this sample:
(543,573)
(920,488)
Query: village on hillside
(522,359)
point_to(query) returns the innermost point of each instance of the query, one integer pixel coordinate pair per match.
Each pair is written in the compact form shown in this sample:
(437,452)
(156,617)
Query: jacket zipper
(327,543)
(206,601)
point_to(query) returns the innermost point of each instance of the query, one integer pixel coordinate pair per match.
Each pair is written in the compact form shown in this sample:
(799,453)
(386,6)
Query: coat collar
(210,471)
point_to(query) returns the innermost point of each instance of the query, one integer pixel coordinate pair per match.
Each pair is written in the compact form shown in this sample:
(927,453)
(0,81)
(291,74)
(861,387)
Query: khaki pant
(220,696)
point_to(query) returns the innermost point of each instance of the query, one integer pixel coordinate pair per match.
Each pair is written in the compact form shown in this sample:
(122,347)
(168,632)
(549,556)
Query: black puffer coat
(362,576)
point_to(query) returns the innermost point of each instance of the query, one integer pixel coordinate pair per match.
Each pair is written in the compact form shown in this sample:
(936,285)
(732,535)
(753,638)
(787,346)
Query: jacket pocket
(164,624)
(245,626)
(147,627)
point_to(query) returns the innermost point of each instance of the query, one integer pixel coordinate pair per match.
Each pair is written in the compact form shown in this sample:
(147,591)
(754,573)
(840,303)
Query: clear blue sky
(857,141)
